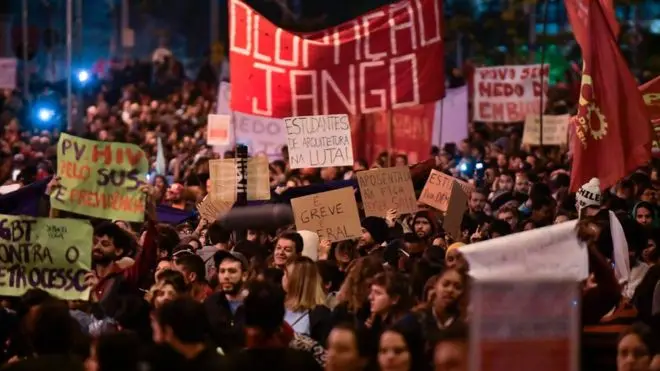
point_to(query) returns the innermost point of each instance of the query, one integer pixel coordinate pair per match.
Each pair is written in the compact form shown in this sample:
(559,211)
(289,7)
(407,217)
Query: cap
(221,255)
(589,194)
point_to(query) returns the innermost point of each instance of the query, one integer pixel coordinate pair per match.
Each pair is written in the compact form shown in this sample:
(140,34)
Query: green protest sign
(44,253)
(100,179)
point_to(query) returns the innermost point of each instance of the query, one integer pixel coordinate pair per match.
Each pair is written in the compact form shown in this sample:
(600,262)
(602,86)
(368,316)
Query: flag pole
(24,35)
(442,119)
(543,48)
(69,60)
(389,138)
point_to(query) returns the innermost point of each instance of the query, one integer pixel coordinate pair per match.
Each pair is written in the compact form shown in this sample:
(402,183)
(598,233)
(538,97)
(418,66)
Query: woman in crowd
(447,306)
(636,349)
(306,312)
(354,292)
(401,349)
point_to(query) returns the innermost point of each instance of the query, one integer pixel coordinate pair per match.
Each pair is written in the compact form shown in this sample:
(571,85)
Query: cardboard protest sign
(521,324)
(508,93)
(8,68)
(42,253)
(224,179)
(100,179)
(333,215)
(555,130)
(319,141)
(217,130)
(210,209)
(258,173)
(388,188)
(553,251)
(449,195)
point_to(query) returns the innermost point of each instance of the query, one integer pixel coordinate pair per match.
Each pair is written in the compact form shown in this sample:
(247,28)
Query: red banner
(389,58)
(412,129)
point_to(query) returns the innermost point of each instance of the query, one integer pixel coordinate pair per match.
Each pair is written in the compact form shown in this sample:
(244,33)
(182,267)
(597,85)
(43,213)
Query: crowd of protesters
(196,296)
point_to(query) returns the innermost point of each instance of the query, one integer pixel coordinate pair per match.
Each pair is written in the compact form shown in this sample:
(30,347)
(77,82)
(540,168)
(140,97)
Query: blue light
(83,76)
(464,167)
(480,165)
(45,114)
(654,28)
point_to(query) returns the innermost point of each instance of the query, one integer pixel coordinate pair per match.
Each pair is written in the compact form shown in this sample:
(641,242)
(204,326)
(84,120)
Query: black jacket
(271,359)
(320,323)
(226,328)
(47,363)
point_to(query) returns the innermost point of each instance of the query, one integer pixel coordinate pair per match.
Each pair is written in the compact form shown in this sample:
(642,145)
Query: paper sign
(384,189)
(8,73)
(43,253)
(508,93)
(100,179)
(224,179)
(319,141)
(522,325)
(333,215)
(447,194)
(553,251)
(555,130)
(218,127)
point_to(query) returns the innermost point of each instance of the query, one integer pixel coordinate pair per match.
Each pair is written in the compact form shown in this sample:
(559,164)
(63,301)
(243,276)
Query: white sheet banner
(262,135)
(549,252)
(450,124)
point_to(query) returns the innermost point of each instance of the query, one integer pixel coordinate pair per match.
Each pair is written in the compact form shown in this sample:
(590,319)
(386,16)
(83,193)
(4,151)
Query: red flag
(389,58)
(613,133)
(578,14)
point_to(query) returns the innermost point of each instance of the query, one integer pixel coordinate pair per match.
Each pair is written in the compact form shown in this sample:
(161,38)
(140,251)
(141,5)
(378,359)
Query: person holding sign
(374,234)
(109,280)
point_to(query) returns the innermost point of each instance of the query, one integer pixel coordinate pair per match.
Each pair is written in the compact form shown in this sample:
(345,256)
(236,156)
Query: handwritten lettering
(33,254)
(319,141)
(55,231)
(333,214)
(508,93)
(95,174)
(370,64)
(22,277)
(384,189)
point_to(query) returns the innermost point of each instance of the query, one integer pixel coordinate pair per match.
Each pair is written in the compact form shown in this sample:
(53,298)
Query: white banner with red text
(507,94)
